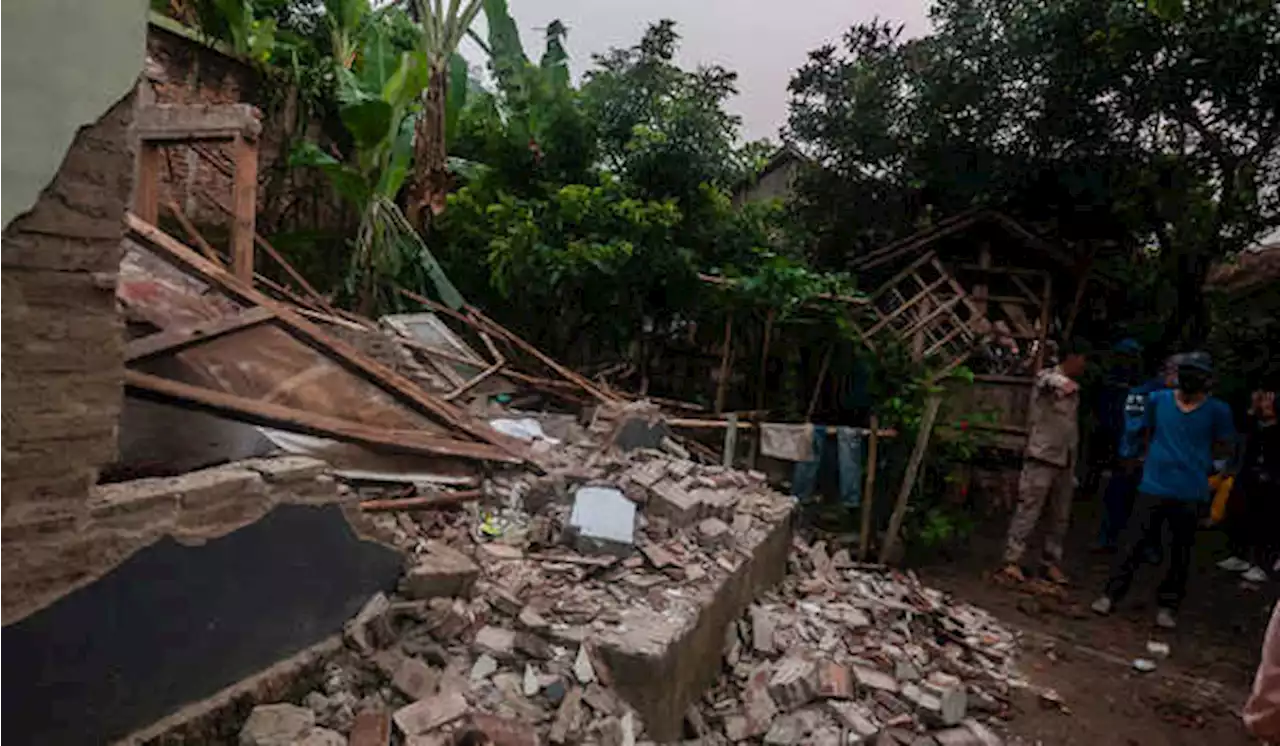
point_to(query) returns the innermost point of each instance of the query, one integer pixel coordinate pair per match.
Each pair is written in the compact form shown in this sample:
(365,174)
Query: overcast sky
(762,41)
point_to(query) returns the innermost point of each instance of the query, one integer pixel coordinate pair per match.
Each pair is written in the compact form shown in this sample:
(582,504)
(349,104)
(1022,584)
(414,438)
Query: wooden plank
(264,414)
(146,194)
(902,275)
(425,502)
(1025,289)
(869,490)
(941,342)
(192,233)
(944,228)
(908,304)
(764,370)
(933,314)
(275,255)
(822,379)
(909,479)
(404,390)
(998,270)
(726,351)
(981,291)
(244,207)
(176,340)
(498,330)
(955,286)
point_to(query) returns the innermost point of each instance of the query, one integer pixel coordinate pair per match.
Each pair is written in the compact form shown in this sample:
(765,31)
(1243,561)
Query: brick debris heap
(633,596)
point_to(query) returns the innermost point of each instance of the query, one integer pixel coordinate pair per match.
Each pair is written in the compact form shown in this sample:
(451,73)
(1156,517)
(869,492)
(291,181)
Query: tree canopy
(1124,126)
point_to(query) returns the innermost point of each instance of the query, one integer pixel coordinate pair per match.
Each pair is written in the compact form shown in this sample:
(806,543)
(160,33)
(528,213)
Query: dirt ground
(1193,697)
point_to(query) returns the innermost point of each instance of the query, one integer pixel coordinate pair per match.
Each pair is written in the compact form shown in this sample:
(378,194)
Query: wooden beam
(264,414)
(909,479)
(869,490)
(726,352)
(245,207)
(908,305)
(822,379)
(997,270)
(146,195)
(401,388)
(497,329)
(176,340)
(426,502)
(192,233)
(272,252)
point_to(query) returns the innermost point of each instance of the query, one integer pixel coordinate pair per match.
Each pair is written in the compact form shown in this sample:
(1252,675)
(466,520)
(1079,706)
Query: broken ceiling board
(174,340)
(347,457)
(156,292)
(265,363)
(434,343)
(303,332)
(265,414)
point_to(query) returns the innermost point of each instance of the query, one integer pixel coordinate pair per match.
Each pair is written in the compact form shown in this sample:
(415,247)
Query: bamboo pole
(722,384)
(764,371)
(822,378)
(869,489)
(909,479)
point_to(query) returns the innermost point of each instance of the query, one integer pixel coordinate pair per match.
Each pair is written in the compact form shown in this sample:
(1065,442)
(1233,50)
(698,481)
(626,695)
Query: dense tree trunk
(431,172)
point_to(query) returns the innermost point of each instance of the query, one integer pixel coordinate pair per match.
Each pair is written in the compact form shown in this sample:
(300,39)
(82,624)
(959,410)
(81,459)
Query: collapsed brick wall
(63,360)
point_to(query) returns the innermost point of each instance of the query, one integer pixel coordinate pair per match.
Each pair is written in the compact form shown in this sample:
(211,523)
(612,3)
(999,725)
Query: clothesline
(830,430)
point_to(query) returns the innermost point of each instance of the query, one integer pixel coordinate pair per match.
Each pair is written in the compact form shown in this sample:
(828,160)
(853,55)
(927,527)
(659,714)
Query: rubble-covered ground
(628,594)
(1195,694)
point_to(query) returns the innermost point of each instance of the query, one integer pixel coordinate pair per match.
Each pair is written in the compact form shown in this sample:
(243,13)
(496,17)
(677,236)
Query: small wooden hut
(977,288)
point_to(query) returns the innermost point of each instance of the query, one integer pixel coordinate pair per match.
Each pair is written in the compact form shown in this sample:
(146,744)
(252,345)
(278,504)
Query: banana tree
(442,32)
(379,101)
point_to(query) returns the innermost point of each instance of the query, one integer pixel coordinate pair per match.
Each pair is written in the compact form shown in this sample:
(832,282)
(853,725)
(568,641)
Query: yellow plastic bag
(1221,486)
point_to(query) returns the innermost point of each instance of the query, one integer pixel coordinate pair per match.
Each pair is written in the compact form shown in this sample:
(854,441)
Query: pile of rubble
(848,653)
(608,600)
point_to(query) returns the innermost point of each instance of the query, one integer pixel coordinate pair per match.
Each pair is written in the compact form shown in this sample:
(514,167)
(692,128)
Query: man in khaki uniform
(1048,471)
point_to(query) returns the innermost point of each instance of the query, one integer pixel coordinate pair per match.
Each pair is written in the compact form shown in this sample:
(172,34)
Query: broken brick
(415,679)
(428,714)
(441,572)
(496,641)
(568,720)
(502,731)
(673,502)
(834,681)
(713,532)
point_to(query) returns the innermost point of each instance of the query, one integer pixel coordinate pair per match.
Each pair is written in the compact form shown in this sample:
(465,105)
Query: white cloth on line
(787,442)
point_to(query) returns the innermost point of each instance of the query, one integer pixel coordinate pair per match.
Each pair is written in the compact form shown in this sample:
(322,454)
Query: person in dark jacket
(1253,508)
(1122,487)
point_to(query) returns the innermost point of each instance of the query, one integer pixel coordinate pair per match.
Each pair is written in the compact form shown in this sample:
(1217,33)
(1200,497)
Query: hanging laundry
(787,442)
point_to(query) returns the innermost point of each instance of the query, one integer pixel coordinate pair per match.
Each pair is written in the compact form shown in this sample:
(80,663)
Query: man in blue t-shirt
(1122,488)
(1183,426)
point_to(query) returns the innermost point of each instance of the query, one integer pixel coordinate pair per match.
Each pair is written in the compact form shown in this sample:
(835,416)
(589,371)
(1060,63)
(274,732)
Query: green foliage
(661,128)
(379,85)
(1160,122)
(601,259)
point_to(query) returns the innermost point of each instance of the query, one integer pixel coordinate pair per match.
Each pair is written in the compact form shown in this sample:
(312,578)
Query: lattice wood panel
(925,309)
